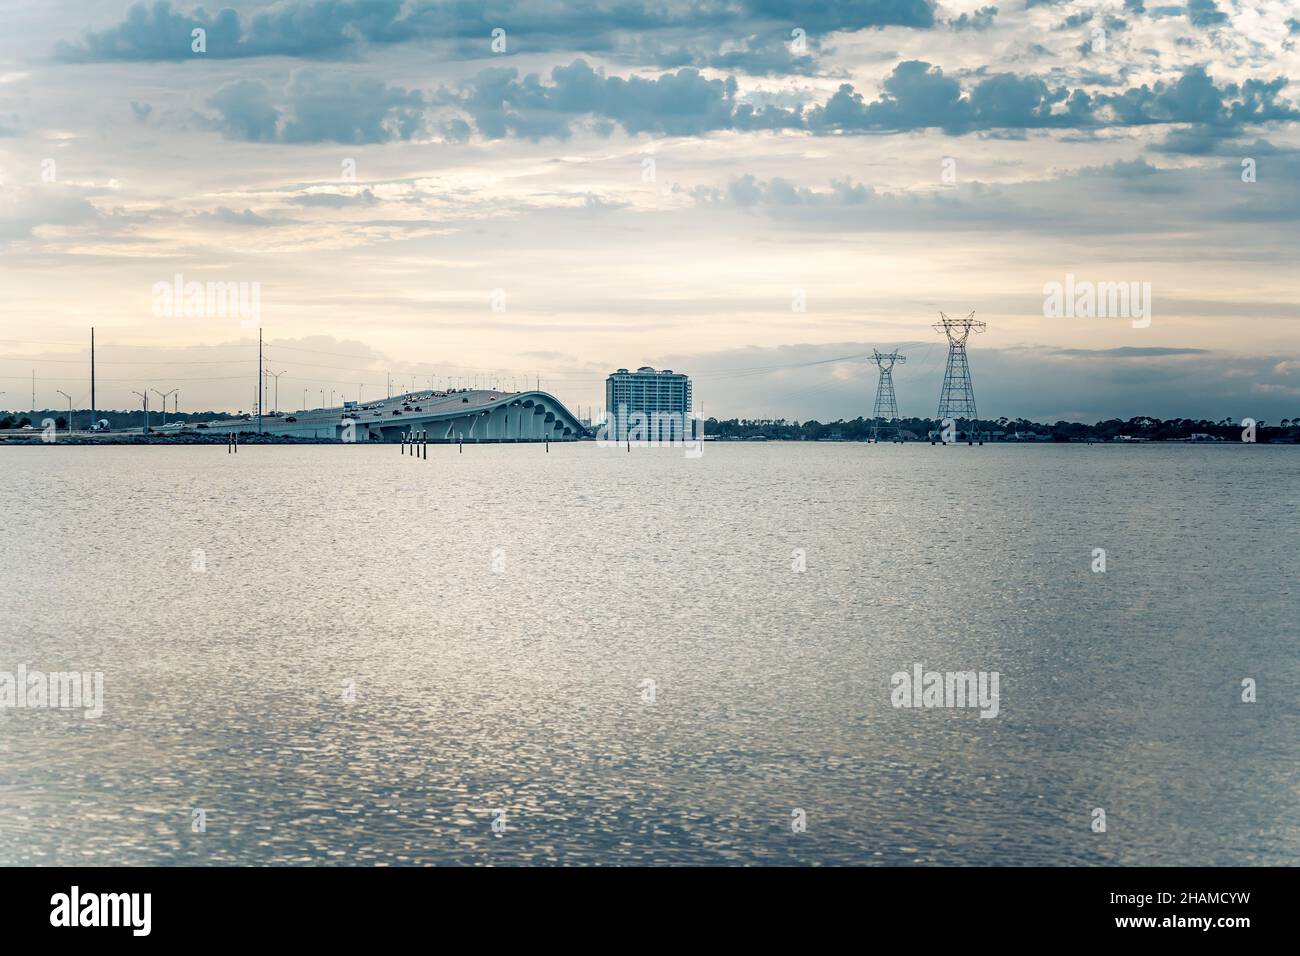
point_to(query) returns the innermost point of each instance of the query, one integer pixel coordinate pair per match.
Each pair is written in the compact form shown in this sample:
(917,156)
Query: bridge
(471,415)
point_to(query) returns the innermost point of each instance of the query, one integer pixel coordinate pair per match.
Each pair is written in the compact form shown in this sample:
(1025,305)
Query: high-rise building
(653,405)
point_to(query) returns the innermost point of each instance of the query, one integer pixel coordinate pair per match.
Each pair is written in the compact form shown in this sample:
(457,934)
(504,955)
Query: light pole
(69,398)
(144,395)
(163,396)
(276,376)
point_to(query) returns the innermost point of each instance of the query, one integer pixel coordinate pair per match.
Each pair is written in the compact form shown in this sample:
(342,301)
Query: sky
(755,192)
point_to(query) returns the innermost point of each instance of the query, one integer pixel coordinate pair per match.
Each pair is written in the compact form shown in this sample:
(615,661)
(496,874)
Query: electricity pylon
(886,405)
(957,398)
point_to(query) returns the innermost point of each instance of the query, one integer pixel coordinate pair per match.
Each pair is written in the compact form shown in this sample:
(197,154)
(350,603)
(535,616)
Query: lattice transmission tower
(957,398)
(886,403)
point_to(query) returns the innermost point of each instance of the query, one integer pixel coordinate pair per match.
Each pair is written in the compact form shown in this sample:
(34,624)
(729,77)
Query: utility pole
(304,399)
(144,395)
(276,376)
(260,379)
(163,396)
(69,398)
(886,406)
(957,397)
(93,412)
(33,391)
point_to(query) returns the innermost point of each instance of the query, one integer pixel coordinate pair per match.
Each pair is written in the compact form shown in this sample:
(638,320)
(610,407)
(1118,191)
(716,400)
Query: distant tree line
(1142,426)
(118,420)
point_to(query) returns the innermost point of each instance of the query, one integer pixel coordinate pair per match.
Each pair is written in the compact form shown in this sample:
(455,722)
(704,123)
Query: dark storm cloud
(342,28)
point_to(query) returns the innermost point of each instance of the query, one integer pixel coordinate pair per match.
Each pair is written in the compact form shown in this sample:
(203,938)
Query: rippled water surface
(497,614)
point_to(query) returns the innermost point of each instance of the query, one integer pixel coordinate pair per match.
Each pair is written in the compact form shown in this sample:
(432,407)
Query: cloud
(680,103)
(769,53)
(230,217)
(981,19)
(344,109)
(1050,204)
(917,95)
(1041,384)
(335,200)
(1075,20)
(244,111)
(846,14)
(23,211)
(1205,13)
(336,29)
(1129,352)
(324,29)
(318,108)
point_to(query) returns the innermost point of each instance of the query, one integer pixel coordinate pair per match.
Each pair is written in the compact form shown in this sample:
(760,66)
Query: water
(512,680)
